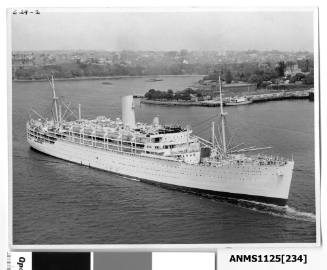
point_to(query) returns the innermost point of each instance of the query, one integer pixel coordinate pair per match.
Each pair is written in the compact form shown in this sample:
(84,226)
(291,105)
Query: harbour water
(58,202)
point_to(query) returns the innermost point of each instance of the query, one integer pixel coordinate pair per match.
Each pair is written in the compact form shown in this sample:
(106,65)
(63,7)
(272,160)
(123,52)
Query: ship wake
(278,211)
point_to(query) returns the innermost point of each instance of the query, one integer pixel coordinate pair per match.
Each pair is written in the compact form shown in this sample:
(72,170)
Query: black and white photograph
(164,126)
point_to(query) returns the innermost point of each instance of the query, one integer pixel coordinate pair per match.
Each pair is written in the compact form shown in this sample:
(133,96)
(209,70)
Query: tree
(170,94)
(228,77)
(306,65)
(297,77)
(242,76)
(254,78)
(281,68)
(309,79)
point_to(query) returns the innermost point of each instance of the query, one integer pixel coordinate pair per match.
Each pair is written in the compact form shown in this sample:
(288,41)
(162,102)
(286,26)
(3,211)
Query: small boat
(154,80)
(108,83)
(237,101)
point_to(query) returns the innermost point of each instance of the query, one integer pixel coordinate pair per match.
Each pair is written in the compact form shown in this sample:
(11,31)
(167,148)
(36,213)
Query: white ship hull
(265,183)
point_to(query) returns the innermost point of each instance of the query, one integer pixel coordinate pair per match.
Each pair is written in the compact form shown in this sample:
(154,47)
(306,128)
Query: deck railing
(104,143)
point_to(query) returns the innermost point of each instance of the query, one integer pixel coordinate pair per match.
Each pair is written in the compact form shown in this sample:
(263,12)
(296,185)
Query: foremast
(223,116)
(58,116)
(55,101)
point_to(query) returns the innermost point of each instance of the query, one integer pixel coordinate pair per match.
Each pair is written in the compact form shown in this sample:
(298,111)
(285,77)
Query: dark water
(57,202)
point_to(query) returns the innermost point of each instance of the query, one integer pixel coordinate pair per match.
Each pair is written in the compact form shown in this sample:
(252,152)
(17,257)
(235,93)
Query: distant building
(292,70)
(193,98)
(76,59)
(264,66)
(22,59)
(228,89)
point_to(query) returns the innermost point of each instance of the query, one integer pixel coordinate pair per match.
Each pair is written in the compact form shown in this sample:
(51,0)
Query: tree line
(262,75)
(185,94)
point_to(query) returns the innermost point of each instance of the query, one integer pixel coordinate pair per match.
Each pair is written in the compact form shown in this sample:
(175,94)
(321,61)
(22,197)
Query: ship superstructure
(162,154)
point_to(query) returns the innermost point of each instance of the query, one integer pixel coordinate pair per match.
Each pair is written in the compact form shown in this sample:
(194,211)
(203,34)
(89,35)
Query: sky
(163,31)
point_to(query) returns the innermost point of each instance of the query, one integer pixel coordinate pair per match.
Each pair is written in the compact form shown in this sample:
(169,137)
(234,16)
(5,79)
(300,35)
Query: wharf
(209,103)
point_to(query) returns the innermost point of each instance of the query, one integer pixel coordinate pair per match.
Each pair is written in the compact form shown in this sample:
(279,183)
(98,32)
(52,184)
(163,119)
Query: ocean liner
(166,155)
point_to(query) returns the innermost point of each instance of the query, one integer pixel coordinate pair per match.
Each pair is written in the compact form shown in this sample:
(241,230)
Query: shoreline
(291,95)
(106,78)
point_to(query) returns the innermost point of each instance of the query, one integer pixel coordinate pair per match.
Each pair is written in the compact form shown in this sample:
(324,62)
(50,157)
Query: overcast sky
(287,31)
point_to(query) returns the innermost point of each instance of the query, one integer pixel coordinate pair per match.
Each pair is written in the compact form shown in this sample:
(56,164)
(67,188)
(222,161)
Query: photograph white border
(170,247)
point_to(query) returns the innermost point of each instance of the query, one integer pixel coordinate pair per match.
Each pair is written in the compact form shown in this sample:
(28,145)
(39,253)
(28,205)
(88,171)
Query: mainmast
(55,98)
(213,134)
(223,115)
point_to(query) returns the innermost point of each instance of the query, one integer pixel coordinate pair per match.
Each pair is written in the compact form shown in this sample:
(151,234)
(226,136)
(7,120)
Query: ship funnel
(156,121)
(128,113)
